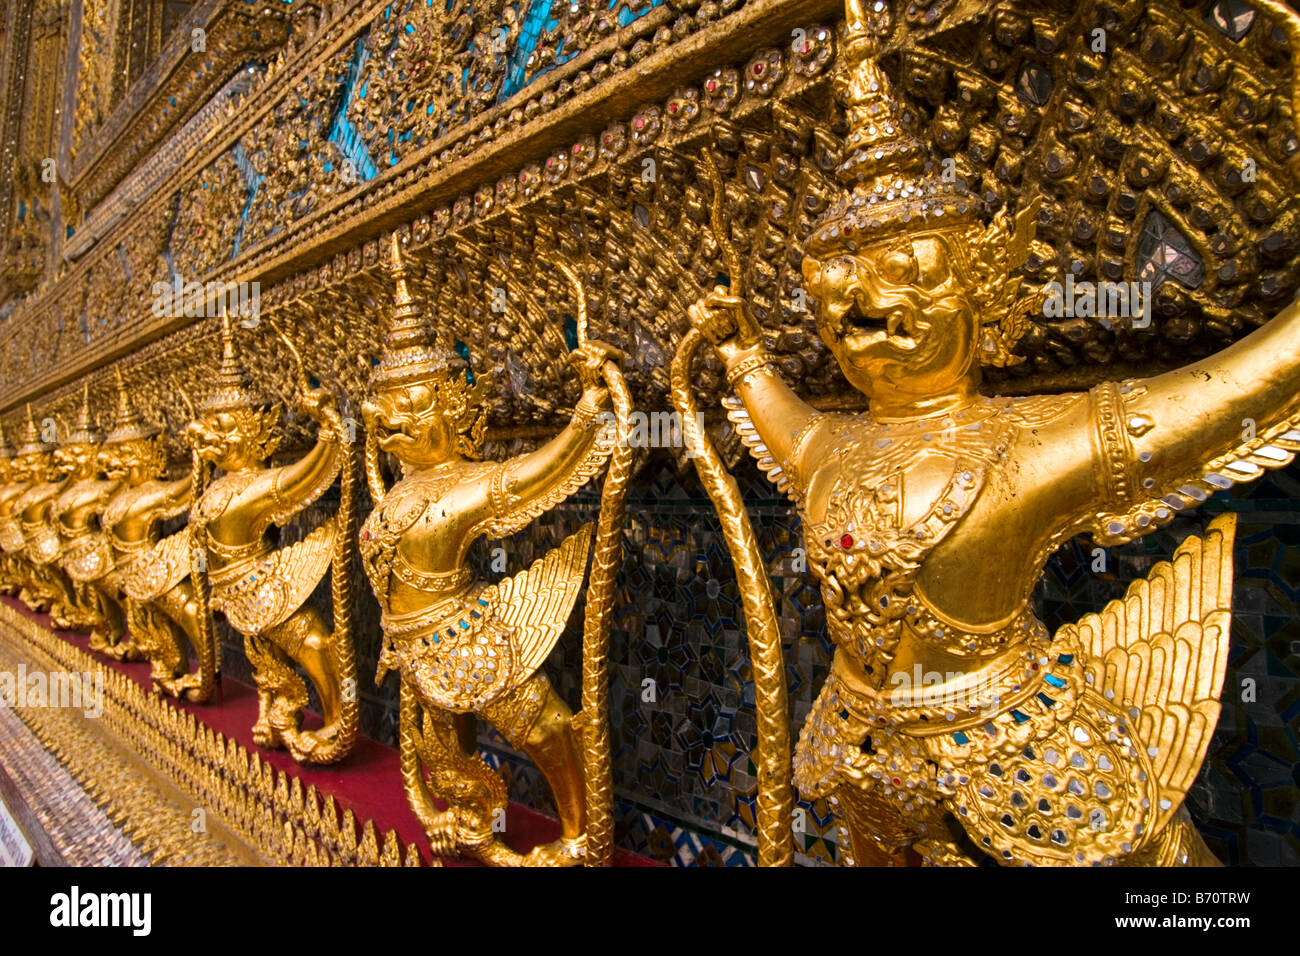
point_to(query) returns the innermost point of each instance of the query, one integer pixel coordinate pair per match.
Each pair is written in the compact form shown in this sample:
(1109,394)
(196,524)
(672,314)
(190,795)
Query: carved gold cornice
(175,87)
(547,114)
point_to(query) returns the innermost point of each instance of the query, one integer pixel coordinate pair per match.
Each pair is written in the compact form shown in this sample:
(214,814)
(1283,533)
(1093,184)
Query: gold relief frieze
(113,131)
(642,243)
(396,188)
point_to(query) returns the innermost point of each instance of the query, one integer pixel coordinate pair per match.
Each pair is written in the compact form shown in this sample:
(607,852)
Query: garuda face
(897,318)
(234,439)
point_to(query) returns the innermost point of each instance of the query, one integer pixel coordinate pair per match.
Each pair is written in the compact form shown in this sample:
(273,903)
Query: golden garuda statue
(263,591)
(167,615)
(75,513)
(51,469)
(928,518)
(467,647)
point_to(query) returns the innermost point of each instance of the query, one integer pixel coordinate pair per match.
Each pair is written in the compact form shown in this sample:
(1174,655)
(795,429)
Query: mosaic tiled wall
(683,779)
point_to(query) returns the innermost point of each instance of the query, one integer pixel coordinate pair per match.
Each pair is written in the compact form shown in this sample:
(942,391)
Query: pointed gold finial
(410,351)
(32,443)
(85,431)
(234,389)
(127,423)
(893,185)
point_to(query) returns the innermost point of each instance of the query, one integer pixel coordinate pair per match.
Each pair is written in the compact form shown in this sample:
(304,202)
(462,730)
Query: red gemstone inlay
(846,542)
(712,85)
(523,177)
(672,107)
(897,782)
(550,161)
(758,69)
(577,148)
(639,122)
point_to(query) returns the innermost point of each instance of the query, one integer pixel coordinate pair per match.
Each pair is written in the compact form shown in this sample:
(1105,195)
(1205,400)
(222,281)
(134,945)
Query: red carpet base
(368,781)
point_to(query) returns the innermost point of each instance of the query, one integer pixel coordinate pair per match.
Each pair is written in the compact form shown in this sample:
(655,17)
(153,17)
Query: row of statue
(927,521)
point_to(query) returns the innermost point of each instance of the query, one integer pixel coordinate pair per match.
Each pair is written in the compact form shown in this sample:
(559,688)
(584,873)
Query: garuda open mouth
(863,327)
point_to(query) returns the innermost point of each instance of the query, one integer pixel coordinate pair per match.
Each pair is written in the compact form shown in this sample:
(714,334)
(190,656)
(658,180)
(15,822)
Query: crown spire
(891,182)
(409,350)
(127,423)
(234,389)
(32,443)
(85,432)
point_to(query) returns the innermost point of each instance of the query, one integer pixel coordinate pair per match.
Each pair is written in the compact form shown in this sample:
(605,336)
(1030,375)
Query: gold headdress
(894,188)
(234,389)
(893,185)
(410,348)
(411,355)
(127,425)
(32,443)
(85,431)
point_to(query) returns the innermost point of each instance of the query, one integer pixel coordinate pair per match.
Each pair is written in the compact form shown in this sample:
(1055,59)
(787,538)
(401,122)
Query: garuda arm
(167,499)
(296,486)
(529,485)
(777,426)
(1167,443)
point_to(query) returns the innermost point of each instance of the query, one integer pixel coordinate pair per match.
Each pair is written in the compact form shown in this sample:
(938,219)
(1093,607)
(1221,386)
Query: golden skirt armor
(464,652)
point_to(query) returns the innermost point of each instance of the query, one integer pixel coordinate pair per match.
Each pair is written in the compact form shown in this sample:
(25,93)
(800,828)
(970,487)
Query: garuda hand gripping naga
(261,590)
(928,520)
(464,646)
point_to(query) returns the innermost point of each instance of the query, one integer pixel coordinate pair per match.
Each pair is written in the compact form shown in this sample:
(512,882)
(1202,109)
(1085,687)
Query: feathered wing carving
(1163,650)
(535,604)
(1274,447)
(160,568)
(277,585)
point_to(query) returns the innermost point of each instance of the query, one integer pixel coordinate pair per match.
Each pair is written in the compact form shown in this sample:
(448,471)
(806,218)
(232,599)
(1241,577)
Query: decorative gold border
(266,809)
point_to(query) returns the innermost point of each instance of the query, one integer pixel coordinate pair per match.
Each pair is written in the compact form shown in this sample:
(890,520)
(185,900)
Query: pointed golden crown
(31,443)
(410,351)
(234,389)
(893,185)
(85,432)
(127,423)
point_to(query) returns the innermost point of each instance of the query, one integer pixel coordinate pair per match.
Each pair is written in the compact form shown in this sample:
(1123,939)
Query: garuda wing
(256,599)
(1161,653)
(1092,768)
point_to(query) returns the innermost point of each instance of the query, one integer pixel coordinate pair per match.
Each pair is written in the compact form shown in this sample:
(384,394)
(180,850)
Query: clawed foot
(123,650)
(441,830)
(303,745)
(264,735)
(558,853)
